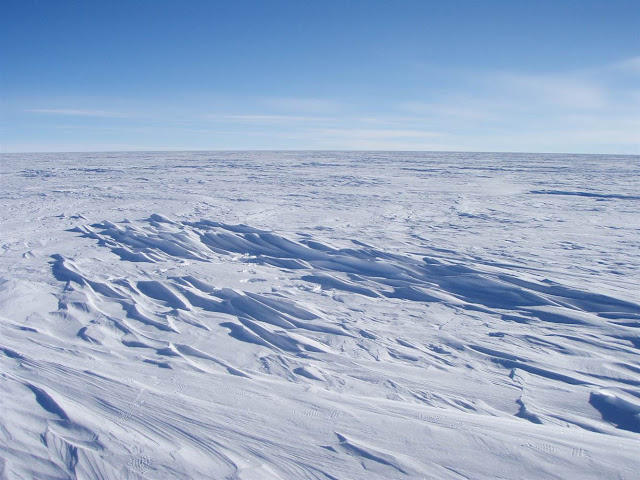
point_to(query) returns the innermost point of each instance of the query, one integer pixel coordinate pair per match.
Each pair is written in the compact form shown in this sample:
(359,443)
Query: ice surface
(308,315)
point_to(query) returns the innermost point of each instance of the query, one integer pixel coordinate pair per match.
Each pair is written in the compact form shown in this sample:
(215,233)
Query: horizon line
(256,150)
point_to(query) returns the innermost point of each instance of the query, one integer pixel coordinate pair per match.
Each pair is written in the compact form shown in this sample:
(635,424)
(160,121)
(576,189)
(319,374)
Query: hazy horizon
(257,150)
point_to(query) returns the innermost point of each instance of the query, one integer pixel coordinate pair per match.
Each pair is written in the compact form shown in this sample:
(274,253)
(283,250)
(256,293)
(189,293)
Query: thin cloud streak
(76,112)
(553,90)
(306,105)
(268,118)
(371,133)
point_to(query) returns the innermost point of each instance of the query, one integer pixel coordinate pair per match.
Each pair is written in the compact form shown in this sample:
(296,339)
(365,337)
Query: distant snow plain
(319,315)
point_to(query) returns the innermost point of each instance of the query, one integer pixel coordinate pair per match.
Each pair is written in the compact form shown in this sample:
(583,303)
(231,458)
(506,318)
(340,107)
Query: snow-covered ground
(291,315)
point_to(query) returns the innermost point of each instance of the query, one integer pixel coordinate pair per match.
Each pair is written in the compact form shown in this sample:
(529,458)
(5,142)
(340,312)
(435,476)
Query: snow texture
(338,316)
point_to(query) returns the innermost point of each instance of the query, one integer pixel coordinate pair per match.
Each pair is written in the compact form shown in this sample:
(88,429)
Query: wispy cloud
(554,90)
(371,139)
(79,112)
(629,65)
(454,109)
(306,105)
(373,133)
(589,110)
(268,118)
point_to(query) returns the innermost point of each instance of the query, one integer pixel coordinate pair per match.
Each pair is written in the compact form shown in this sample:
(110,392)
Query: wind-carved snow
(184,345)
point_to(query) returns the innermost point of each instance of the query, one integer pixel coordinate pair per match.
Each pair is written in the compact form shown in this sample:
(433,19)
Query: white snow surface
(319,315)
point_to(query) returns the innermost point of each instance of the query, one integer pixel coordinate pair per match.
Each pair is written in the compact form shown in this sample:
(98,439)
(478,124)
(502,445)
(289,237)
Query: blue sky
(89,75)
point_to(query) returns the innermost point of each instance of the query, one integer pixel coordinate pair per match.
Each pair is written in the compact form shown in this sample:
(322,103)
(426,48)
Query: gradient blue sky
(538,76)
